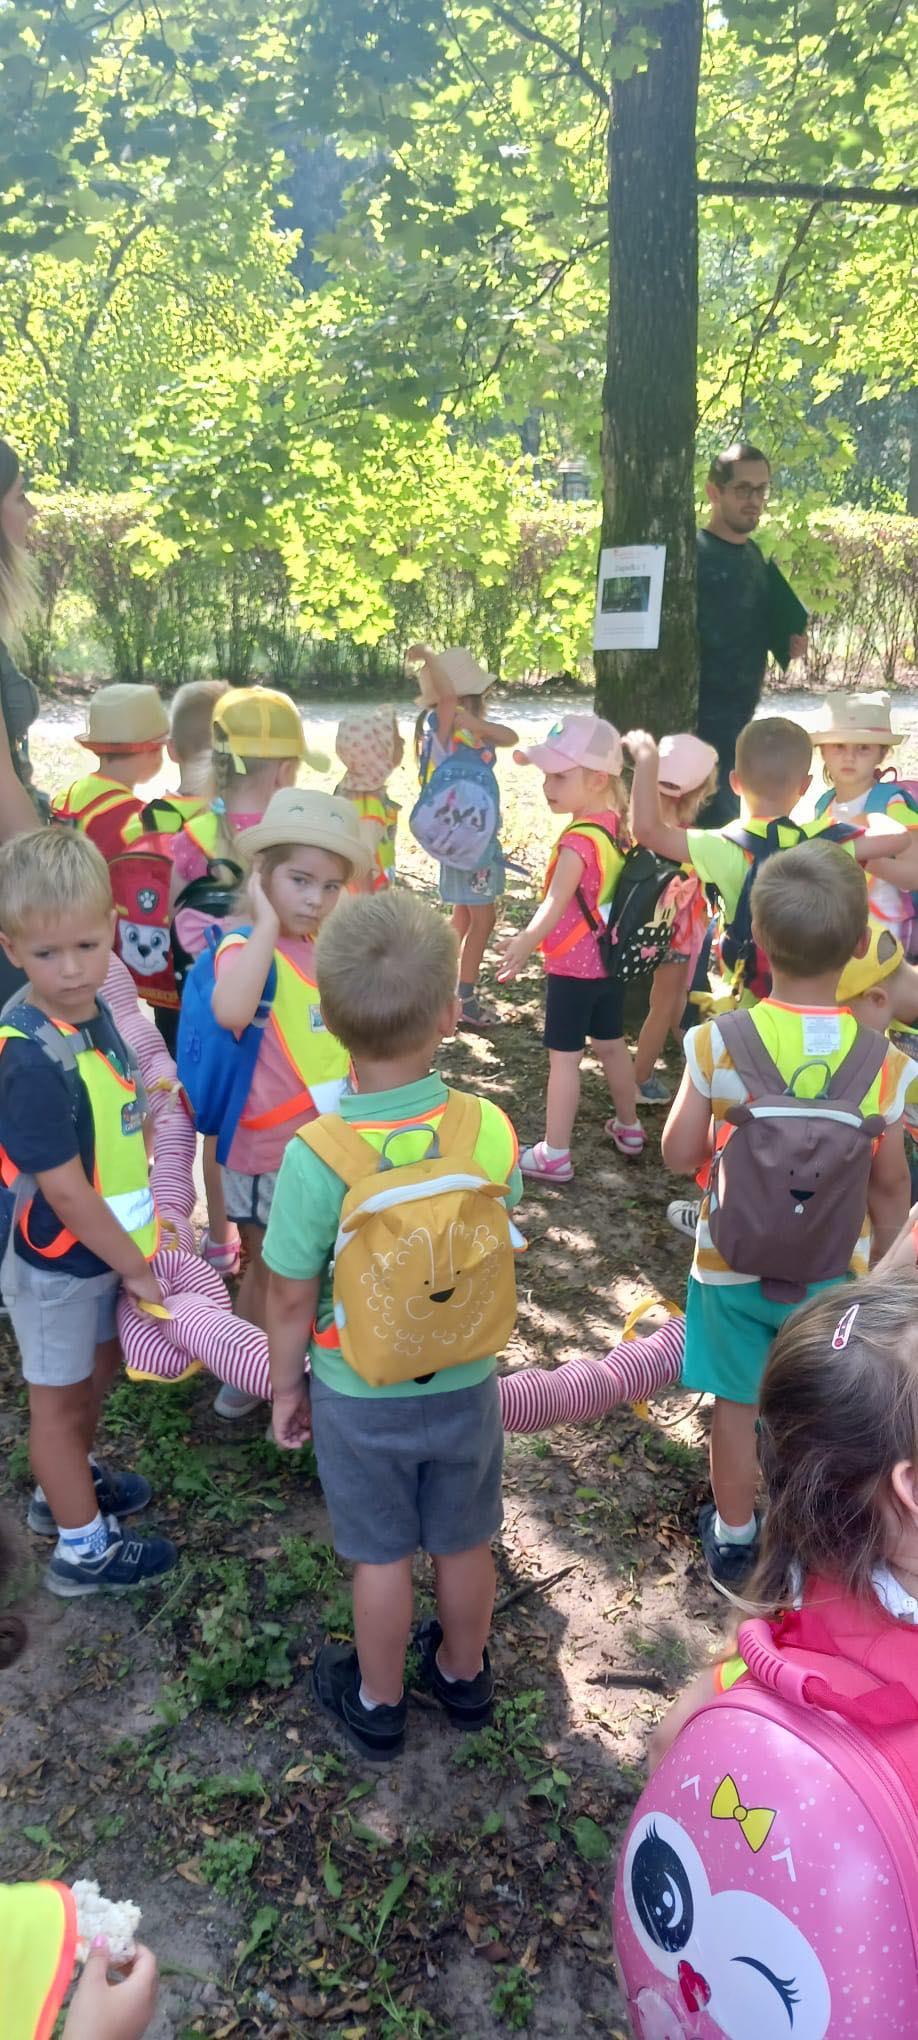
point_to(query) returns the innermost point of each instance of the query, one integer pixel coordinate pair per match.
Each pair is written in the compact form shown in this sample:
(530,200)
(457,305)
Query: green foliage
(513,1998)
(227,1861)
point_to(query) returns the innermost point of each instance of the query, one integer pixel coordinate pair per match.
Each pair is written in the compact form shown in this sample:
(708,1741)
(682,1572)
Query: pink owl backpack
(768,1884)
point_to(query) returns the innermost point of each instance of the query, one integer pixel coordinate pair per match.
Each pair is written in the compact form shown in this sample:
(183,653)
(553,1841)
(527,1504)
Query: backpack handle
(433,1152)
(887,1706)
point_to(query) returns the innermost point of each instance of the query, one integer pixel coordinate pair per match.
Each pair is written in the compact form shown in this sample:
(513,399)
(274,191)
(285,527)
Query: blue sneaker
(654,1092)
(117,1494)
(126,1562)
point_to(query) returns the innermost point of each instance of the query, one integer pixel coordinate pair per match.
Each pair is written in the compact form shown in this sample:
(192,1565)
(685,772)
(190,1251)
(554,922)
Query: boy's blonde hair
(773,758)
(386,966)
(809,908)
(191,723)
(47,875)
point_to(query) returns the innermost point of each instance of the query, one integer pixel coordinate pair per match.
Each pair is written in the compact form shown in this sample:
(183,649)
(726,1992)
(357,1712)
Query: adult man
(745,610)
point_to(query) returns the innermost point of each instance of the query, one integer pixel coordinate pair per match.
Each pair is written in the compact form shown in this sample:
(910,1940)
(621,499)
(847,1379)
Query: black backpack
(213,893)
(741,958)
(638,935)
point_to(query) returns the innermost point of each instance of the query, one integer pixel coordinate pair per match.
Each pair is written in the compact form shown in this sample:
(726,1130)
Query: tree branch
(572,64)
(822,194)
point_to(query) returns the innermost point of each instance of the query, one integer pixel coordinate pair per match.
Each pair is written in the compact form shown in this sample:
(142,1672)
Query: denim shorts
(473,888)
(410,1472)
(248,1199)
(58,1319)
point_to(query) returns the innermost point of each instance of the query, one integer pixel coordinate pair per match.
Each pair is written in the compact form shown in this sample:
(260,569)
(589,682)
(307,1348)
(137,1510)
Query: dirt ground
(168,1744)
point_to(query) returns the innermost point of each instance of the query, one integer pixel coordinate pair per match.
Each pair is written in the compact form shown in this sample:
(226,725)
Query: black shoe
(377,1732)
(125,1563)
(468,1702)
(729,1565)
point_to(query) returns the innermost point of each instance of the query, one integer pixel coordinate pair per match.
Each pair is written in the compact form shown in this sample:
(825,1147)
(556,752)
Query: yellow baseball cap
(260,722)
(883,955)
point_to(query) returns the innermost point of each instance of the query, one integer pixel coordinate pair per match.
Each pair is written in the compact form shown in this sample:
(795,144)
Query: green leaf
(331,1875)
(395,1889)
(590,1840)
(262,1928)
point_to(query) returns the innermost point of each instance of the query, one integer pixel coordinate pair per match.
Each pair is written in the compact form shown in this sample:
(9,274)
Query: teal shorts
(729,1328)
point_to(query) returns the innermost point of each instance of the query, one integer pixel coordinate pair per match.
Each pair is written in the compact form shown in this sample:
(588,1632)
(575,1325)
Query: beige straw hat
(457,668)
(318,821)
(856,719)
(125,718)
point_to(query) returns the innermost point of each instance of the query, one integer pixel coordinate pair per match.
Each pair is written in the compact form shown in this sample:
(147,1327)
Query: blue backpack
(880,797)
(215,1067)
(456,817)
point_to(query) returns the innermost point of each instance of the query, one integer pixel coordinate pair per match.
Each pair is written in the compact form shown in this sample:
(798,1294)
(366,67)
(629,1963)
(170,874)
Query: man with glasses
(745,610)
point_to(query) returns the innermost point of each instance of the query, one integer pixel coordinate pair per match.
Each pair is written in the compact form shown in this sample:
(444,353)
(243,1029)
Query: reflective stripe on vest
(203,831)
(120,1168)
(318,1061)
(88,799)
(611,859)
(38,1939)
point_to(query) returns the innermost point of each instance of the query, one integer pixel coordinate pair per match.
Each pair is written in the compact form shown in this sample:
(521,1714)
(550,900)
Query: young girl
(838,1448)
(688,778)
(855,739)
(454,694)
(582,761)
(307,848)
(370,747)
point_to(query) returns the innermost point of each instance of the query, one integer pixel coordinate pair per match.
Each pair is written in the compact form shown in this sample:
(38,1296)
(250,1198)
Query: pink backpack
(768,1883)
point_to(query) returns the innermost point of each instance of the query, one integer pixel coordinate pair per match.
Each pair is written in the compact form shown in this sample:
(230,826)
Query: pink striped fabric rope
(174,1136)
(200,1326)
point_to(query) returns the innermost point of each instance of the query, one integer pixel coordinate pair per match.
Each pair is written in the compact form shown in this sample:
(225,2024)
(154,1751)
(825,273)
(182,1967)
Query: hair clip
(218,806)
(844,1328)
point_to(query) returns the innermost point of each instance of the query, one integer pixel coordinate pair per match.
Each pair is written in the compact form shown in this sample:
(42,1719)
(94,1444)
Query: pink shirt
(256,1152)
(582,959)
(190,862)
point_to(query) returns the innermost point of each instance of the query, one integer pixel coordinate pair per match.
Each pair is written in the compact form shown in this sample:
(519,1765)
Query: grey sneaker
(126,1562)
(654,1092)
(682,1215)
(235,1402)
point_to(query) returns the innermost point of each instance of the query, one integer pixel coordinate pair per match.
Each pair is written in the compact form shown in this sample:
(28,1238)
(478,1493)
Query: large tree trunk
(648,422)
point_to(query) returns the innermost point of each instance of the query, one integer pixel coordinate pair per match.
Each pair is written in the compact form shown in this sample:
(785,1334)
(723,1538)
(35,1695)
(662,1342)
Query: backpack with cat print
(423,1273)
(788,1188)
(638,935)
(456,817)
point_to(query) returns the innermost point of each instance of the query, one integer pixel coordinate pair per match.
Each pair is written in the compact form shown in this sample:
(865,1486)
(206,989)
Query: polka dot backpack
(768,1883)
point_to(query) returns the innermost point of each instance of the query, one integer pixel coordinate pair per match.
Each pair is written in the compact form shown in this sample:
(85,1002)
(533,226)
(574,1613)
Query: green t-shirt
(723,864)
(306,1208)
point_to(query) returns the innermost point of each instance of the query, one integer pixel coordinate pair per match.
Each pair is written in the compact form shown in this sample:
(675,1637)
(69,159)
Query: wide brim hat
(577,740)
(260,722)
(857,719)
(317,821)
(125,718)
(457,669)
(882,956)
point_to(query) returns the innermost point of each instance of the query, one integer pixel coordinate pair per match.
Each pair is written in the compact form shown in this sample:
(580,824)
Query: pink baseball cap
(584,740)
(685,762)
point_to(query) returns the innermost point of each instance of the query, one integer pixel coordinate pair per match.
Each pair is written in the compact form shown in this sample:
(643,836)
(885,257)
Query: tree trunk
(911,496)
(649,411)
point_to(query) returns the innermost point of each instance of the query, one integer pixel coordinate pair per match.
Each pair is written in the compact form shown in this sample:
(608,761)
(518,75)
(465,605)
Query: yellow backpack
(423,1274)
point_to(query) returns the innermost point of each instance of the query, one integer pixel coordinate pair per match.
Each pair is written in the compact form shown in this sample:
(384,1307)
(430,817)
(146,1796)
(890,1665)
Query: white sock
(450,1677)
(734,1533)
(371,1705)
(89,1541)
(554,1155)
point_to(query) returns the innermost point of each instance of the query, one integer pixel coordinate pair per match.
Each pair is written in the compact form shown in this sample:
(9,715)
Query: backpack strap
(748,1054)
(351,1156)
(58,1048)
(862,1065)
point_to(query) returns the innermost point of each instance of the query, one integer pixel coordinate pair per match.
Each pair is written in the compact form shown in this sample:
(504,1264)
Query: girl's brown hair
(18,581)
(838,1410)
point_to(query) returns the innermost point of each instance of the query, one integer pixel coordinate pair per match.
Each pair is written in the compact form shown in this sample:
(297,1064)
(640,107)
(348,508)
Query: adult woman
(18,697)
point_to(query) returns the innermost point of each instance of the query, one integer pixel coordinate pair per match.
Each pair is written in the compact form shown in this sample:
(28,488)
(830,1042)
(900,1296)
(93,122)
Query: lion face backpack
(768,1884)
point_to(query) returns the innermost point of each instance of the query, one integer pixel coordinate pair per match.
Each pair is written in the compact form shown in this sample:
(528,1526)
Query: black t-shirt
(733,628)
(39,1130)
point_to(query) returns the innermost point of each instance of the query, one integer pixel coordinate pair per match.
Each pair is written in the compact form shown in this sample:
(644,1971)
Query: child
(582,760)
(838,1444)
(809,916)
(855,738)
(370,747)
(881,990)
(418,1463)
(191,743)
(688,778)
(83,1217)
(128,727)
(455,691)
(307,848)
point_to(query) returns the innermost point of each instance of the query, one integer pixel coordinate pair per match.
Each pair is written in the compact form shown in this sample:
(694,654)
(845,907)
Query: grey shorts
(59,1320)
(404,1473)
(248,1199)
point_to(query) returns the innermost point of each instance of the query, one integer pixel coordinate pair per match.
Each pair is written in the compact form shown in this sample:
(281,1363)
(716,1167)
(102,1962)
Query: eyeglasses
(748,492)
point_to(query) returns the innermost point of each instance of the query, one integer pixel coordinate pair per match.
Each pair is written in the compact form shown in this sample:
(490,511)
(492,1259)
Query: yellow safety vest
(317,1060)
(121,1174)
(38,1937)
(204,832)
(611,859)
(93,799)
(376,807)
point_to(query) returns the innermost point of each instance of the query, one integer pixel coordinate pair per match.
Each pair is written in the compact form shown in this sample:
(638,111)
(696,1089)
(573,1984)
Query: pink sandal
(629,1140)
(535,1162)
(222,1255)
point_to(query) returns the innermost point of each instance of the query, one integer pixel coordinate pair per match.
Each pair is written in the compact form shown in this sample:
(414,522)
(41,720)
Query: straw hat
(457,670)
(126,718)
(856,719)
(318,821)
(259,722)
(883,955)
(586,740)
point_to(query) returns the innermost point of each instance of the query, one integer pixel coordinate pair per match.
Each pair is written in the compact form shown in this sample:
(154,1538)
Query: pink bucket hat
(685,762)
(366,744)
(584,740)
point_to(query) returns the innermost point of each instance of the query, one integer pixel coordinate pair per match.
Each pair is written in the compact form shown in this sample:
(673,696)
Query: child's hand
(144,1285)
(637,741)
(515,951)
(113,2011)
(263,914)
(903,1254)
(291,1418)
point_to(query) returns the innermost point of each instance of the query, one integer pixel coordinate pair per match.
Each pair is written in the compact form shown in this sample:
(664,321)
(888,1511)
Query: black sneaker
(126,1562)
(117,1494)
(729,1565)
(468,1702)
(377,1732)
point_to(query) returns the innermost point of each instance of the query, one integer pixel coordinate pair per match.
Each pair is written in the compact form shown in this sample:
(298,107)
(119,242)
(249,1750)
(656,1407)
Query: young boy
(417,1464)
(581,760)
(881,990)
(83,1217)
(809,916)
(128,727)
